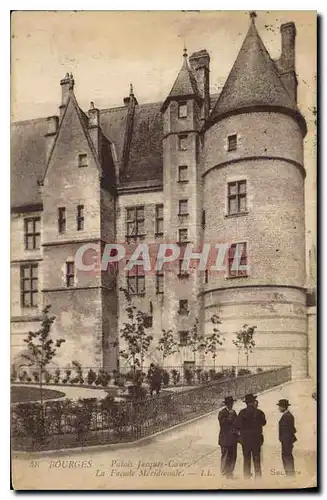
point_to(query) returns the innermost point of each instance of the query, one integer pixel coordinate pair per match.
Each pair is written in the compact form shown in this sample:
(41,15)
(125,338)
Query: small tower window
(159,283)
(82,160)
(237,197)
(80,217)
(61,219)
(232,142)
(183,236)
(183,338)
(159,220)
(237,260)
(70,274)
(182,173)
(183,207)
(182,142)
(182,110)
(183,307)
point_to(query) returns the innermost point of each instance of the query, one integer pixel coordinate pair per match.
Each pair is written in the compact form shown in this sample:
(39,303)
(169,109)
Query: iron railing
(68,423)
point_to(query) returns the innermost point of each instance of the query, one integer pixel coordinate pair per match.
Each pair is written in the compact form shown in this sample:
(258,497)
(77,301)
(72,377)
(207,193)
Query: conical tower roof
(253,81)
(185,84)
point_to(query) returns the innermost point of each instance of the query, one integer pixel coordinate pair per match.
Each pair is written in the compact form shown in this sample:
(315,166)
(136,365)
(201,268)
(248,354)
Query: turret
(253,182)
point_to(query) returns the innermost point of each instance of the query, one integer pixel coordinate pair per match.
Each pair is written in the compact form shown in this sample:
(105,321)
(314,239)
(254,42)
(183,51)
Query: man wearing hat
(227,438)
(286,431)
(250,421)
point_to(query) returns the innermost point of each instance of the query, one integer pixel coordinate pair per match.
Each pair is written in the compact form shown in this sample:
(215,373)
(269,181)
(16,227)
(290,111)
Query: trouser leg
(287,458)
(246,461)
(256,454)
(232,454)
(224,460)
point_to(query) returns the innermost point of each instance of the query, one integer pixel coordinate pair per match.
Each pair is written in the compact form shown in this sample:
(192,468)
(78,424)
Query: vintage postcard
(163,250)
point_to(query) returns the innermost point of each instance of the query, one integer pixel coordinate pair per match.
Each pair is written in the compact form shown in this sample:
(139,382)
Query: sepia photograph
(163,323)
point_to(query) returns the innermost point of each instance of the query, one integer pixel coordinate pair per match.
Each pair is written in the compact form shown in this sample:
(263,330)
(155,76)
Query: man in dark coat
(155,378)
(227,438)
(287,437)
(249,422)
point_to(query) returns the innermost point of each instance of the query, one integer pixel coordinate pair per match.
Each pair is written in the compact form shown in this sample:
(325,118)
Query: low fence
(64,424)
(179,375)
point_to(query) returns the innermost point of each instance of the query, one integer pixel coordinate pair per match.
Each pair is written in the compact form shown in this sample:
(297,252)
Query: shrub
(47,377)
(259,370)
(66,379)
(189,376)
(56,378)
(91,377)
(27,420)
(244,371)
(119,379)
(176,376)
(165,378)
(35,376)
(228,372)
(219,375)
(103,378)
(79,373)
(198,372)
(22,376)
(136,391)
(130,376)
(204,376)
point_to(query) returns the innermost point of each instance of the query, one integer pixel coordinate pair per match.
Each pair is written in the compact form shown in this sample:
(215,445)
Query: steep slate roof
(185,84)
(28,160)
(28,152)
(145,157)
(253,81)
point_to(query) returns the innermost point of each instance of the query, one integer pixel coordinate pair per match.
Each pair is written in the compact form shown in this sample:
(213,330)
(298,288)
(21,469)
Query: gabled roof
(28,150)
(83,119)
(185,84)
(253,80)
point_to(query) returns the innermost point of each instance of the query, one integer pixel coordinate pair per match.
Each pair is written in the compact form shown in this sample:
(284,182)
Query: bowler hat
(229,399)
(250,398)
(284,403)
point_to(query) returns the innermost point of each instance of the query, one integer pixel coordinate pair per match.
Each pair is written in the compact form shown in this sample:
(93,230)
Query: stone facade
(174,161)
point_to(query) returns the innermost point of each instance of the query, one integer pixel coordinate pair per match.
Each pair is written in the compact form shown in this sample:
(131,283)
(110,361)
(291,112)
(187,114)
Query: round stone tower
(253,181)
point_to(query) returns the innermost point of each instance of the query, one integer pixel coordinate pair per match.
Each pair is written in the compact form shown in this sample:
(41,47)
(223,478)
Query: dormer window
(82,160)
(232,142)
(182,142)
(182,110)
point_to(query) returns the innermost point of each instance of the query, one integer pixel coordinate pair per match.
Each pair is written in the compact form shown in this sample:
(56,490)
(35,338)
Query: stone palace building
(195,168)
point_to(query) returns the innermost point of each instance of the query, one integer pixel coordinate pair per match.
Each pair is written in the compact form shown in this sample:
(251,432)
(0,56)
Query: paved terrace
(189,453)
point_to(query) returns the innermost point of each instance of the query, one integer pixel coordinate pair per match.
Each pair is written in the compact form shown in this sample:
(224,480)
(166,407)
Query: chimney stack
(200,64)
(286,63)
(67,84)
(94,126)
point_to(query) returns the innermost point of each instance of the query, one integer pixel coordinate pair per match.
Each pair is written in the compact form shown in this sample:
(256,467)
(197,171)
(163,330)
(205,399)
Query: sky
(108,50)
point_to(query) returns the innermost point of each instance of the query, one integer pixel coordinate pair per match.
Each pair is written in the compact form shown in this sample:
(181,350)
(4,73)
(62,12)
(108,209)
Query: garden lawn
(25,394)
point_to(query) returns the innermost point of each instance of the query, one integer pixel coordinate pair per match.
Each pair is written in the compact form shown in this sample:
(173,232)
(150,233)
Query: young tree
(134,334)
(41,348)
(196,341)
(167,345)
(244,340)
(215,340)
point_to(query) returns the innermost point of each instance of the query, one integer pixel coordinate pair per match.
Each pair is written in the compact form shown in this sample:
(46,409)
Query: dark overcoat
(227,433)
(286,428)
(250,422)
